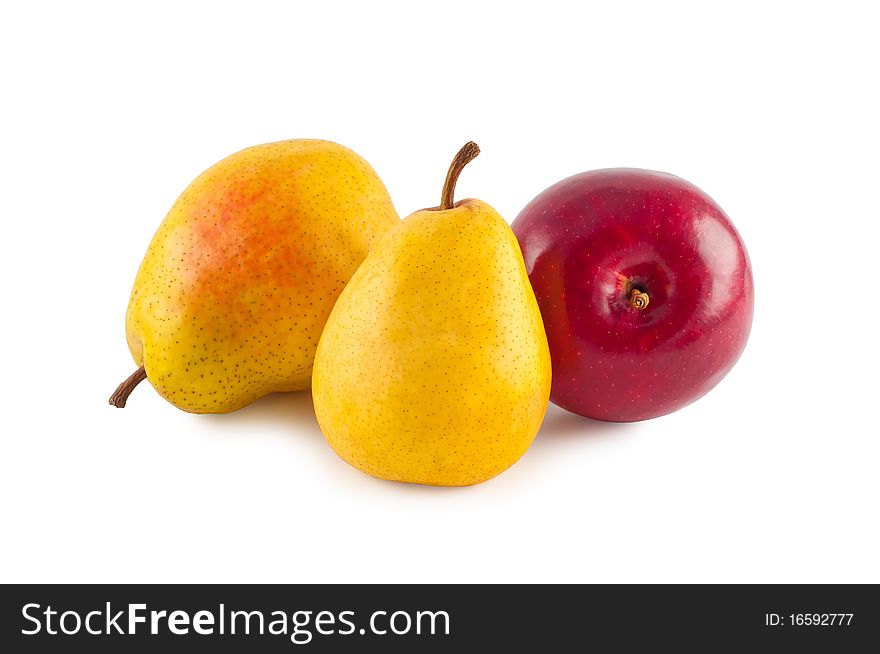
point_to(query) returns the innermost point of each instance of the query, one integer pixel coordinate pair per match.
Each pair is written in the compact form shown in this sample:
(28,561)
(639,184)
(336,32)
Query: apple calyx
(468,153)
(120,395)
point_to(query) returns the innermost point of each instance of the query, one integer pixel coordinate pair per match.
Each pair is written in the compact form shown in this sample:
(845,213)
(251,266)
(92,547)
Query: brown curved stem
(125,388)
(639,299)
(468,153)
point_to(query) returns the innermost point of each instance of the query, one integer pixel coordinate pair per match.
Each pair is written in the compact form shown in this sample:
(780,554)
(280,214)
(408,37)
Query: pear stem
(125,388)
(468,153)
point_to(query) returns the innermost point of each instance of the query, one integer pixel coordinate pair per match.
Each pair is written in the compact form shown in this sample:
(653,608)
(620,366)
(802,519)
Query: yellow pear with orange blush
(236,285)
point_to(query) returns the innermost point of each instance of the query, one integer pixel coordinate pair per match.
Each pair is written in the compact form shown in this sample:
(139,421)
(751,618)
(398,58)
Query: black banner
(437,618)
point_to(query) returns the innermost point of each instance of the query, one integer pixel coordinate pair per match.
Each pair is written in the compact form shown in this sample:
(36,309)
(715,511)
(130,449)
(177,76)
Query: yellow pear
(232,295)
(433,367)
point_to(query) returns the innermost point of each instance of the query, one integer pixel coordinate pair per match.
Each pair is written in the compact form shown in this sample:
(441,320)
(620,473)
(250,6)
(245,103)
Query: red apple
(645,288)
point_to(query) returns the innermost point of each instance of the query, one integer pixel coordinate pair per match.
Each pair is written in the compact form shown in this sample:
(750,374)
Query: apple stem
(639,299)
(124,389)
(468,153)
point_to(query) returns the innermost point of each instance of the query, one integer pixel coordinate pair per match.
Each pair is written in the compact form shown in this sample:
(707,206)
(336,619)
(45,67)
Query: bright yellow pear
(433,367)
(237,283)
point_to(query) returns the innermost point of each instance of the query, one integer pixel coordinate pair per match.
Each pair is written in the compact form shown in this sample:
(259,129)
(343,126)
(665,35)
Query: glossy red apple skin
(587,242)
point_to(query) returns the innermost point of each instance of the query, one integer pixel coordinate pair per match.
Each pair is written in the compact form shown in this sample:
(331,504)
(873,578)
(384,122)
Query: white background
(109,111)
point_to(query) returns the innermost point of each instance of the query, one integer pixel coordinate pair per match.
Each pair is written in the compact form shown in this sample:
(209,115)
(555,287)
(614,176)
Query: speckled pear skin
(237,283)
(433,367)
